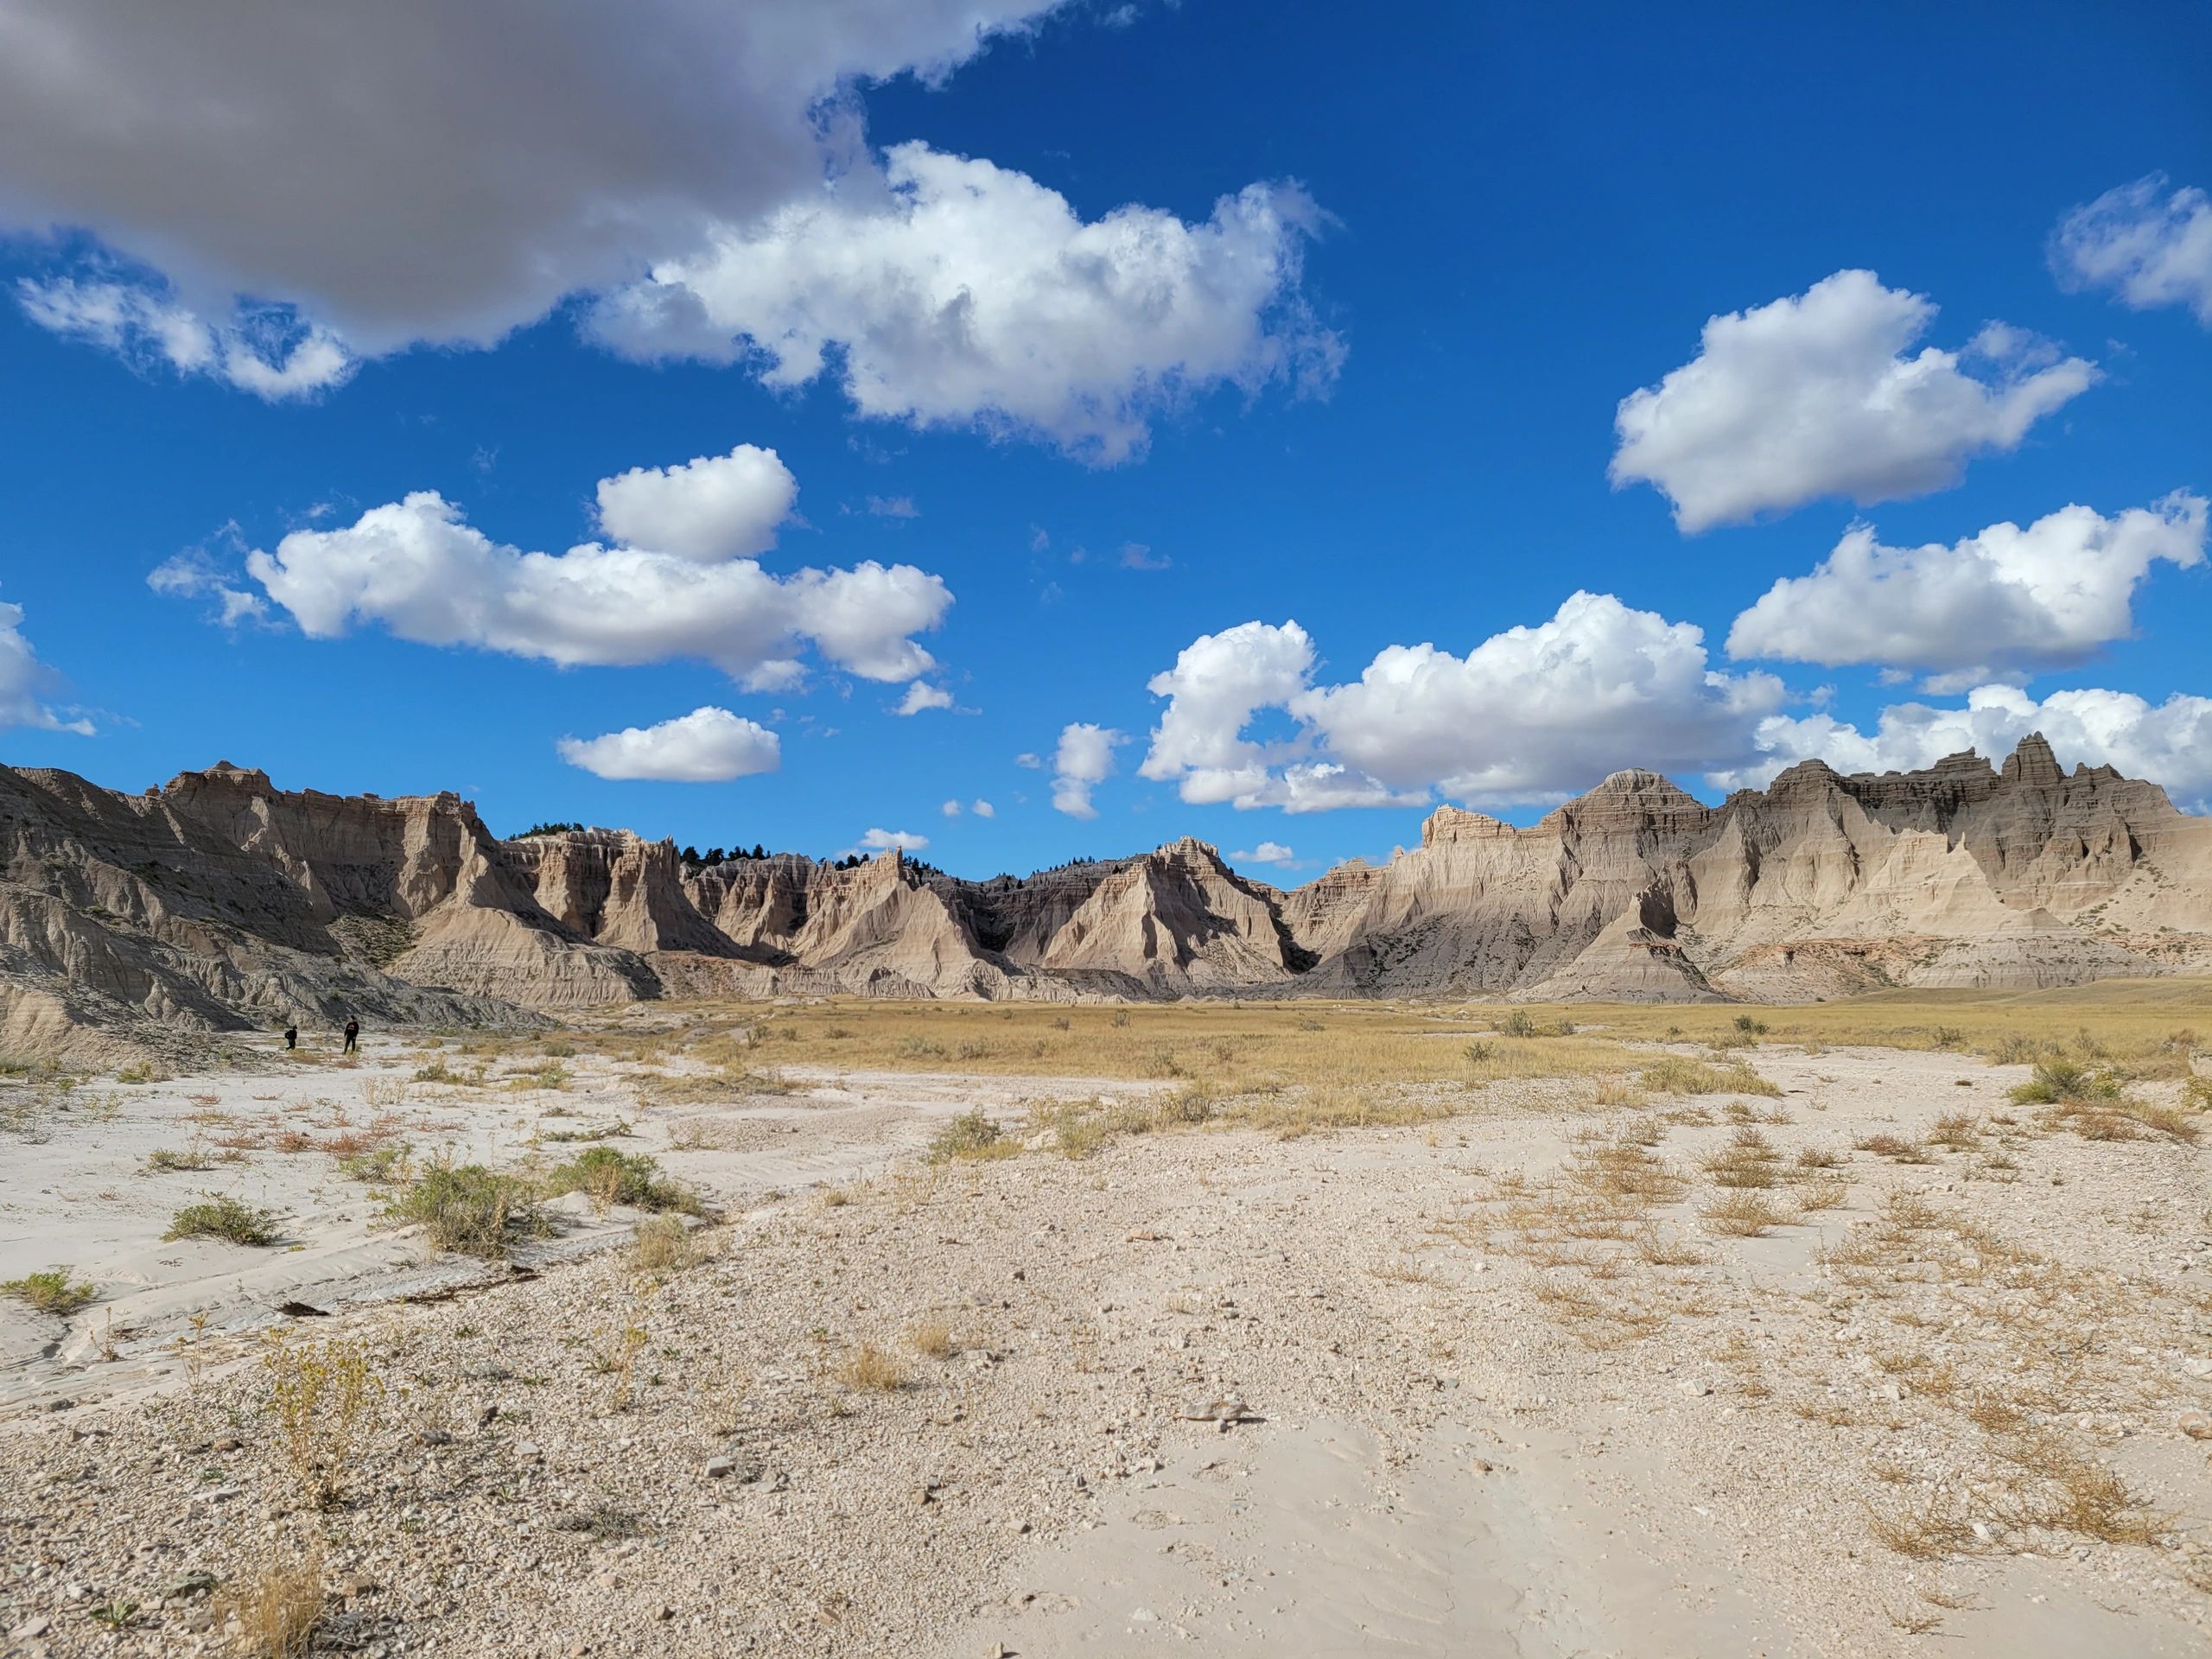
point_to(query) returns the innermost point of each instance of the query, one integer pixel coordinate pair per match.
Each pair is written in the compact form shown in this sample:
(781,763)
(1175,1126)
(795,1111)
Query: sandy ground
(1454,1426)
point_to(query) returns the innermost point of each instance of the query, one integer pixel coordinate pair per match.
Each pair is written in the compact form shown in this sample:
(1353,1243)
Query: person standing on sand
(353,1036)
(291,1035)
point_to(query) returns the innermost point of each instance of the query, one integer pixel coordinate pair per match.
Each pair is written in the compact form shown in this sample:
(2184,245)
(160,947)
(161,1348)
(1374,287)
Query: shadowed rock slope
(221,902)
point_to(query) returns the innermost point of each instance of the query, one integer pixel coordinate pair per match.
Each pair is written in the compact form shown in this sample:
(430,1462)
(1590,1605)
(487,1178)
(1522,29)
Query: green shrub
(973,1134)
(223,1217)
(466,1208)
(2058,1082)
(53,1291)
(608,1178)
(1078,1127)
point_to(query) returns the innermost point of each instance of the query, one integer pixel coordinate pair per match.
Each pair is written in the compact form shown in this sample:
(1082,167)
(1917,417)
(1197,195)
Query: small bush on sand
(1743,1214)
(632,1180)
(52,1292)
(2061,1081)
(223,1217)
(325,1396)
(973,1135)
(466,1208)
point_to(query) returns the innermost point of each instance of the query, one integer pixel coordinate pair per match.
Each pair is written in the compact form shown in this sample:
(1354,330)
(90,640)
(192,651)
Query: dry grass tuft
(1743,1214)
(1895,1148)
(277,1607)
(2068,1492)
(661,1244)
(868,1369)
(1675,1075)
(1747,1161)
(931,1337)
(1402,1270)
(710,1088)
(1960,1131)
(1926,1528)
(2123,1117)
(1821,1193)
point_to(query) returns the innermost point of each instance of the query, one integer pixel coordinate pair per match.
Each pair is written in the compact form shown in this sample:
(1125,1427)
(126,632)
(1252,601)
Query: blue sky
(1378,395)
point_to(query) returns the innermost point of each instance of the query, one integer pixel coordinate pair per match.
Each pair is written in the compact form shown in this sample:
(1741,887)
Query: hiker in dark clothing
(291,1034)
(353,1036)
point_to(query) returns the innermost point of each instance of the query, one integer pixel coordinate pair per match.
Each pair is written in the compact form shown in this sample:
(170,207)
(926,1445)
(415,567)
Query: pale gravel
(1093,1302)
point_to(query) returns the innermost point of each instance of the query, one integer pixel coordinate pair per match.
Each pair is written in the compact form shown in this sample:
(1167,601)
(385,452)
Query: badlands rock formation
(221,902)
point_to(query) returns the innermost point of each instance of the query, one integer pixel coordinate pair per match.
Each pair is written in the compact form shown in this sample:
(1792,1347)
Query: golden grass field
(1235,1046)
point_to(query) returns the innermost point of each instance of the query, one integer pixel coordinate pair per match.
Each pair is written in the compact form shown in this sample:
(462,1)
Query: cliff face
(219,902)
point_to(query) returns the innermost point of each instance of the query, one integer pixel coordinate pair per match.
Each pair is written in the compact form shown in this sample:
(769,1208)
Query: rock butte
(221,902)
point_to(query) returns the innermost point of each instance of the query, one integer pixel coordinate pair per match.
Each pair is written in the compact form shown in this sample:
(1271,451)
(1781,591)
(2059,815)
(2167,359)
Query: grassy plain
(1237,1047)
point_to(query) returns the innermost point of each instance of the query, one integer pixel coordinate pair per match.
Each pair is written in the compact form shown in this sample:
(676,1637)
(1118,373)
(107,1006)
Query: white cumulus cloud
(195,574)
(1533,713)
(708,746)
(950,291)
(983,809)
(1220,684)
(2006,601)
(1220,681)
(1084,759)
(23,677)
(2168,742)
(712,508)
(950,809)
(2149,250)
(921,695)
(1268,852)
(882,841)
(263,352)
(420,173)
(1822,394)
(418,568)
(1530,715)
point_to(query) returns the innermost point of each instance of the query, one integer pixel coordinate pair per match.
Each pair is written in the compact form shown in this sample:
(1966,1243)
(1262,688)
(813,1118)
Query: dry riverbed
(1881,1363)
